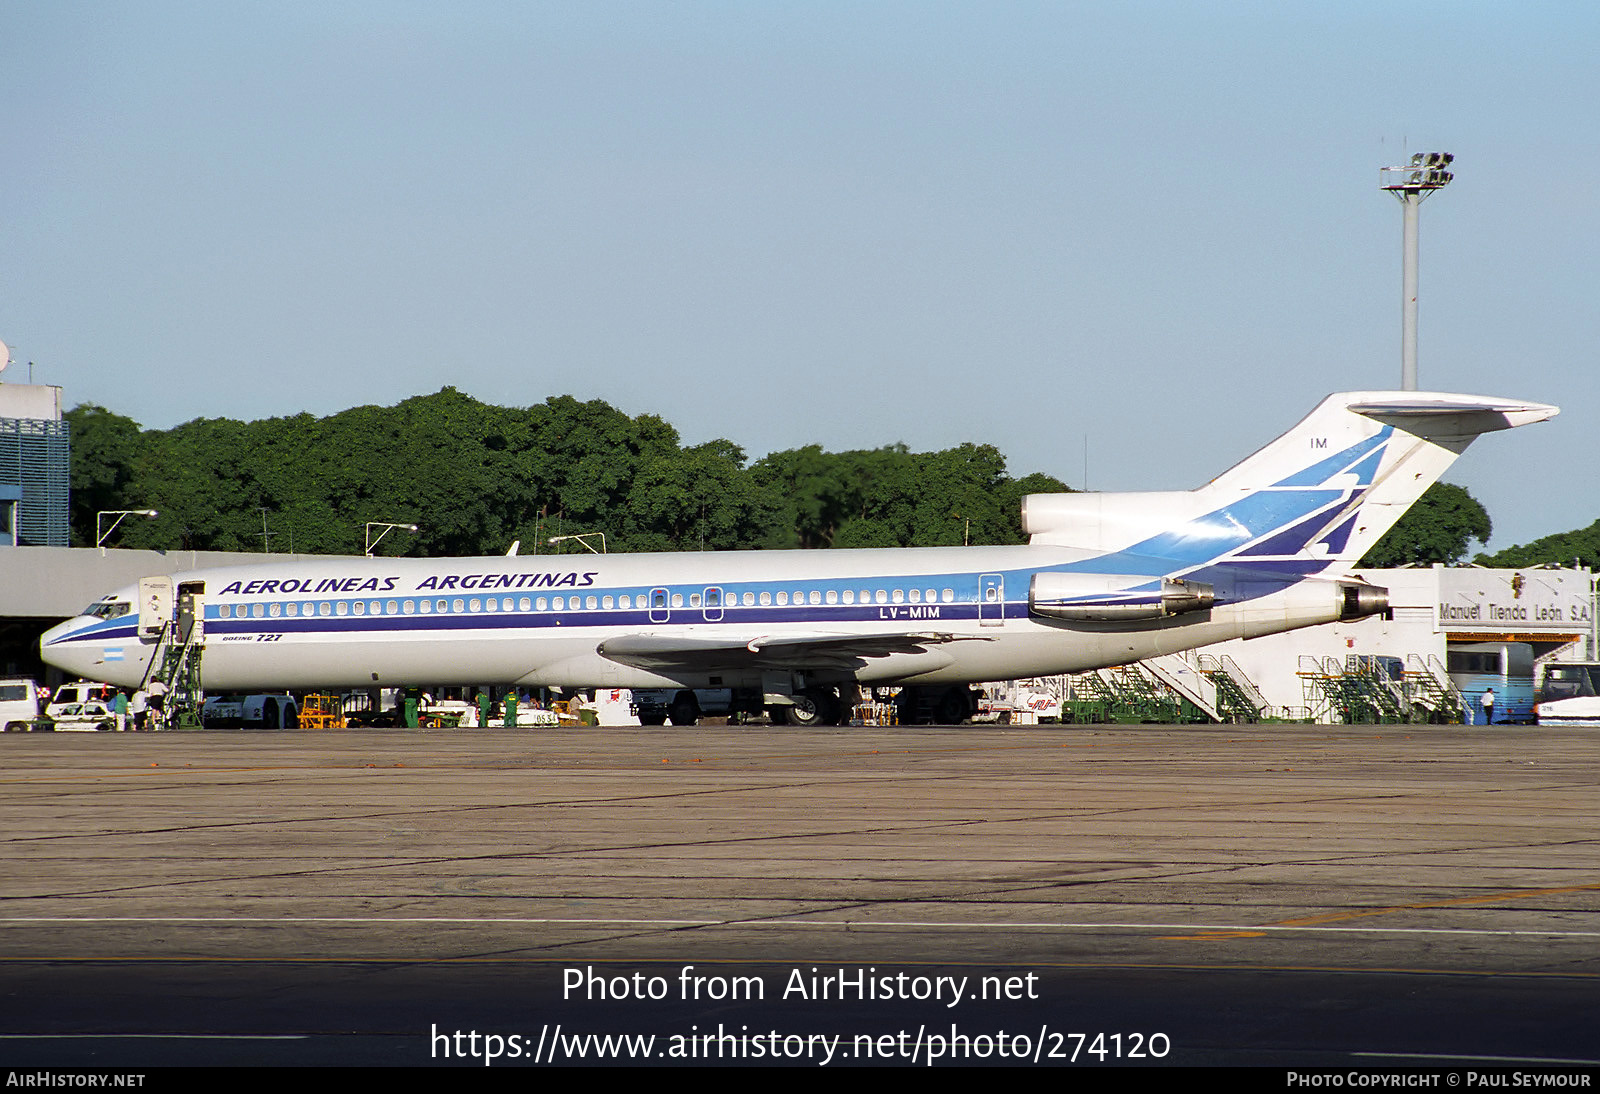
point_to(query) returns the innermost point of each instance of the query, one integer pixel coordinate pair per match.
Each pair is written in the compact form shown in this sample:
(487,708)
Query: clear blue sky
(1148,229)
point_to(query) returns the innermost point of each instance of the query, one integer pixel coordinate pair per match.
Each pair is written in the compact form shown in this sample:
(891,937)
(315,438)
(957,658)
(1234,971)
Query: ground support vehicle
(266,711)
(321,712)
(19,704)
(90,717)
(1569,694)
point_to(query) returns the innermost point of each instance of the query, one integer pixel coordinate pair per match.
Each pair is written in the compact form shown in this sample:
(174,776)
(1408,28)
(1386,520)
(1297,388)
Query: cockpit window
(108,609)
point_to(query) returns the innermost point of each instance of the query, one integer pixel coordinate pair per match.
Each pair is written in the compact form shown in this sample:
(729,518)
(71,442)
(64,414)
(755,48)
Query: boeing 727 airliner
(1105,579)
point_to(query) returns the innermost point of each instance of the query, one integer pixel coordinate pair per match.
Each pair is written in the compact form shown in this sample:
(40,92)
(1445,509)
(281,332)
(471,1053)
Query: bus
(1569,694)
(1475,667)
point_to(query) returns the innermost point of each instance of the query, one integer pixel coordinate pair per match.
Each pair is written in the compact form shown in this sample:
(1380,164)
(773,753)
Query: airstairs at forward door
(175,663)
(173,620)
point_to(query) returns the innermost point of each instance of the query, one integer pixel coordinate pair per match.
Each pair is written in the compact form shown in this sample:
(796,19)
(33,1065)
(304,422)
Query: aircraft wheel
(954,707)
(814,707)
(905,708)
(684,711)
(803,713)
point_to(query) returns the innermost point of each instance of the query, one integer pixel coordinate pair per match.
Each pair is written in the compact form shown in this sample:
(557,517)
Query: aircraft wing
(841,651)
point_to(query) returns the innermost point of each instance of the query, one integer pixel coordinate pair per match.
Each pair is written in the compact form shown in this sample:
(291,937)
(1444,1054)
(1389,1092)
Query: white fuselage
(1105,580)
(540,620)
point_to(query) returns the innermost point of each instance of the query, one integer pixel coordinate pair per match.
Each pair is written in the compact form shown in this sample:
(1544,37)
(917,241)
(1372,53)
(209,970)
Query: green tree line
(1579,547)
(1445,521)
(475,477)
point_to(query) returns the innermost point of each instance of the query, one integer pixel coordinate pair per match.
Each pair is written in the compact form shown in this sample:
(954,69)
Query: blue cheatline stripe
(551,620)
(126,626)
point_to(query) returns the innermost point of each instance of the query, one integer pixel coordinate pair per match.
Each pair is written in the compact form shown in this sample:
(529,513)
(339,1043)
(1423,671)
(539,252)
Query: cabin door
(659,612)
(711,605)
(992,600)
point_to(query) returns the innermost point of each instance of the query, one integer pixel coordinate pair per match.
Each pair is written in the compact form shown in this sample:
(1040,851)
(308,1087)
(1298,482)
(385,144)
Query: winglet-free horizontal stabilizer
(1484,415)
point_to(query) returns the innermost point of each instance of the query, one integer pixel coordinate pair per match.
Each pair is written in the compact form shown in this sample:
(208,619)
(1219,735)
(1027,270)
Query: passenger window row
(295,609)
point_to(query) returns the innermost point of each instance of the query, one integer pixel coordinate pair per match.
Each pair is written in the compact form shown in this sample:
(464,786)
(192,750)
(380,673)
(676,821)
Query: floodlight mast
(372,544)
(1421,177)
(100,535)
(583,538)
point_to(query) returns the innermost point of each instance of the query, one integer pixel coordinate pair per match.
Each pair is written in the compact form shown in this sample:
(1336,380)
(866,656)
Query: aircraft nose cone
(56,634)
(84,658)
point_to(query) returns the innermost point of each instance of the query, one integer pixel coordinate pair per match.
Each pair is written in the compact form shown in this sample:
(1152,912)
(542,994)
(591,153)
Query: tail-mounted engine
(1115,598)
(1358,599)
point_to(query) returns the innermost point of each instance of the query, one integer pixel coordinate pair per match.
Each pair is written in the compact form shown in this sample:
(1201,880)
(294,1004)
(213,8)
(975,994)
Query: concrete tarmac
(1285,895)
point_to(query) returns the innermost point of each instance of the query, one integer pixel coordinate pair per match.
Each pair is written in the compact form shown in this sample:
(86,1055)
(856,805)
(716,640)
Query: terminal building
(35,467)
(43,580)
(1451,634)
(1460,628)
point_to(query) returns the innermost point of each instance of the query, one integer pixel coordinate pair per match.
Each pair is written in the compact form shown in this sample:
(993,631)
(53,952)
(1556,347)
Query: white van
(77,693)
(19,704)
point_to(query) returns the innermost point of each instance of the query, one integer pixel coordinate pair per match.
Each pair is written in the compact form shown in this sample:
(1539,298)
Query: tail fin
(1316,498)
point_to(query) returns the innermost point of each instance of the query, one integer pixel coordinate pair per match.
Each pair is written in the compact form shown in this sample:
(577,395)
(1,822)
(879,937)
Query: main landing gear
(923,706)
(812,707)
